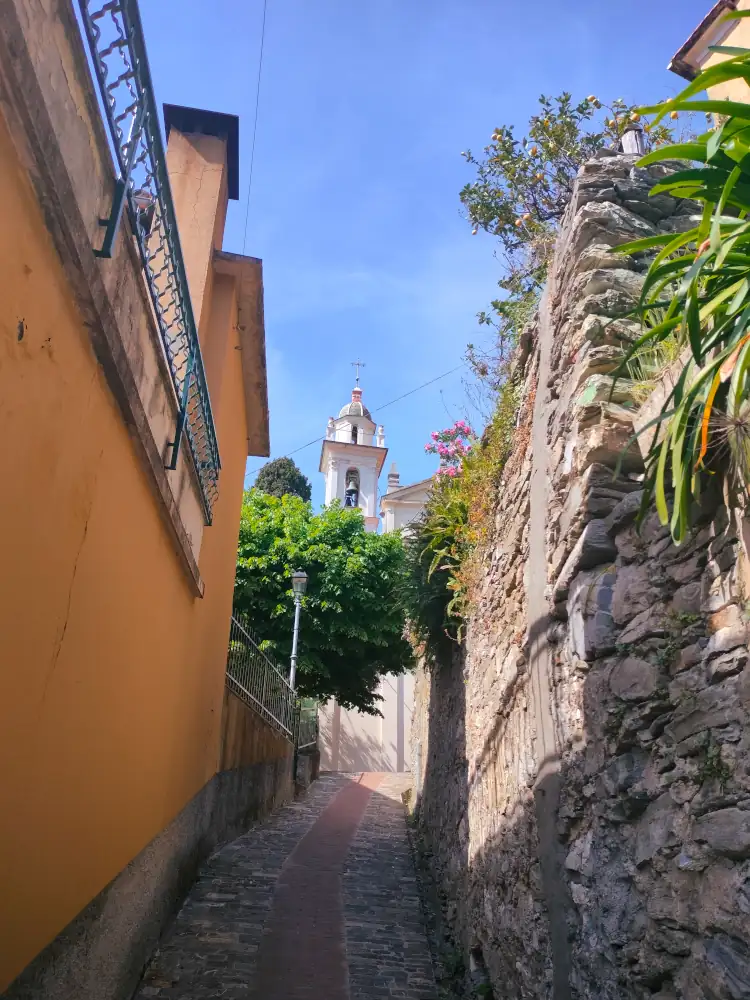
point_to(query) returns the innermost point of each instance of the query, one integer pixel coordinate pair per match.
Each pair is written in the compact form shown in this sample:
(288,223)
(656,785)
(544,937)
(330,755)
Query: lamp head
(299,582)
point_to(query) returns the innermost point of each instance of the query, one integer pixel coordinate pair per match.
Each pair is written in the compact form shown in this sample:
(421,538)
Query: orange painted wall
(111,673)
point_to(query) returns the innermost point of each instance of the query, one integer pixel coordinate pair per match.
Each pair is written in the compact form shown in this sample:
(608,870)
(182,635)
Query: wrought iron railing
(118,52)
(258,681)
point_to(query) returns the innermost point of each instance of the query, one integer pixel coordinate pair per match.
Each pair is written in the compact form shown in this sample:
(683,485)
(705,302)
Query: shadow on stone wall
(638,864)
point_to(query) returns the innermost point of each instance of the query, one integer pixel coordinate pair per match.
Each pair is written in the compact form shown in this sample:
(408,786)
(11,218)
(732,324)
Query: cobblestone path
(318,903)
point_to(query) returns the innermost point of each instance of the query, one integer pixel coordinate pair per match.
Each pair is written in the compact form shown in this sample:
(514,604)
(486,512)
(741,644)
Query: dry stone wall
(584,759)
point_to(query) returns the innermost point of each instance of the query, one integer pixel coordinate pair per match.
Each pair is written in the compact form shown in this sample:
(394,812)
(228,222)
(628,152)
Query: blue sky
(365,106)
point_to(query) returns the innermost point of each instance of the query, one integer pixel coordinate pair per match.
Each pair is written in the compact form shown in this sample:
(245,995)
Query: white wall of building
(353,741)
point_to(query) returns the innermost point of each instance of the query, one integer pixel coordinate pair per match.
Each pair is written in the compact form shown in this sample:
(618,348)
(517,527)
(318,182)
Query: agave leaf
(707,417)
(733,109)
(713,304)
(728,69)
(681,240)
(699,175)
(676,151)
(635,246)
(665,270)
(659,489)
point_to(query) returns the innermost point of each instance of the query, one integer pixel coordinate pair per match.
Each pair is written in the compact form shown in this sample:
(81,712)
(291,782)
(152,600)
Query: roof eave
(680,62)
(248,275)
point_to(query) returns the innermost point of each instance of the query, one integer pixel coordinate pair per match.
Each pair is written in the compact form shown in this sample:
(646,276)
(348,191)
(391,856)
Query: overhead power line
(378,409)
(255,123)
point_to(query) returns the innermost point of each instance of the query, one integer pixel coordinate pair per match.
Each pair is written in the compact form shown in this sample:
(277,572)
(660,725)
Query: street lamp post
(299,586)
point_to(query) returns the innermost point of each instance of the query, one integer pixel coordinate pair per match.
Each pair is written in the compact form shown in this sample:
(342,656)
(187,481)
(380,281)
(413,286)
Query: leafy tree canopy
(353,623)
(281,477)
(522,188)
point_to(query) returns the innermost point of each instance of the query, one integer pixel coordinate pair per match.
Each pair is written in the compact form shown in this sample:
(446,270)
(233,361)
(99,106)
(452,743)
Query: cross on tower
(358,365)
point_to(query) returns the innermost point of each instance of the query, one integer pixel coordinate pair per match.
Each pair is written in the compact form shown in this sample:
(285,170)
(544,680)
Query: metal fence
(115,36)
(307,728)
(258,681)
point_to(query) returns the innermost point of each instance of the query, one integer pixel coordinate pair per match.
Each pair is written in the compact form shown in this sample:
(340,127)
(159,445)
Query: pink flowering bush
(451,446)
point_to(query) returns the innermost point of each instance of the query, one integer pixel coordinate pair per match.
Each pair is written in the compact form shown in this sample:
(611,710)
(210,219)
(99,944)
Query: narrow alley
(318,903)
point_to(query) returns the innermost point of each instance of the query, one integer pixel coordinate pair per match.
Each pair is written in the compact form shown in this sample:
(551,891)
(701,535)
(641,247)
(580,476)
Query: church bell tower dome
(355,408)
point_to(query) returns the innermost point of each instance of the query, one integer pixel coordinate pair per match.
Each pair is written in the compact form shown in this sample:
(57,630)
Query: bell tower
(352,458)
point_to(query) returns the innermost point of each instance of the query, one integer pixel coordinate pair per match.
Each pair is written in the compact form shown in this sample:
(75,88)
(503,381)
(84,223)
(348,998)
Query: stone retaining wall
(585,775)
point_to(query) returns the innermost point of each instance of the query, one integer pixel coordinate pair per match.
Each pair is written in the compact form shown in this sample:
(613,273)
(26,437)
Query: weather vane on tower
(358,365)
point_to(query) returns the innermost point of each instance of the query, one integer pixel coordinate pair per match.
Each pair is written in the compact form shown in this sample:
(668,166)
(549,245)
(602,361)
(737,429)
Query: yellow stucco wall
(738,35)
(111,672)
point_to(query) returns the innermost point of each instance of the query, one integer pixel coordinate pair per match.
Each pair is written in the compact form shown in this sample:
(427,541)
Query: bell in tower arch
(351,496)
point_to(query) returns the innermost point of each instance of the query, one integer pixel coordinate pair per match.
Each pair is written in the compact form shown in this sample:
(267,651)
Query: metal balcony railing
(118,51)
(258,681)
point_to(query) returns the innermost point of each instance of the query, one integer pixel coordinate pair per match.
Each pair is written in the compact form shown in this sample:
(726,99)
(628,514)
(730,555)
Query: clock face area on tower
(352,458)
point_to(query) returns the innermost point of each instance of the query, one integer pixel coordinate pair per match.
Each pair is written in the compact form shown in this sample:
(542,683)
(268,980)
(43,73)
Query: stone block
(593,548)
(625,512)
(579,857)
(604,389)
(656,829)
(649,624)
(686,569)
(687,600)
(688,657)
(726,639)
(608,443)
(726,831)
(634,679)
(613,278)
(600,255)
(715,706)
(605,330)
(727,665)
(591,626)
(729,616)
(634,592)
(725,969)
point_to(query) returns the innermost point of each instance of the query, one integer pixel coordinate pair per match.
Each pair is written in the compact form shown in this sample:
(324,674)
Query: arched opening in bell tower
(351,496)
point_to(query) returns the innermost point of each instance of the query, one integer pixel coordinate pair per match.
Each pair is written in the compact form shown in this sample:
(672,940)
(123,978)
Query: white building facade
(402,505)
(351,460)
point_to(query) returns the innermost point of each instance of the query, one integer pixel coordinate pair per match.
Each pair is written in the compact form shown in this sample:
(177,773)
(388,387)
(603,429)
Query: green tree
(281,477)
(353,621)
(521,191)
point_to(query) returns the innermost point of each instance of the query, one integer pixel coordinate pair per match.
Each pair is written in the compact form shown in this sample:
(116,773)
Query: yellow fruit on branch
(674,115)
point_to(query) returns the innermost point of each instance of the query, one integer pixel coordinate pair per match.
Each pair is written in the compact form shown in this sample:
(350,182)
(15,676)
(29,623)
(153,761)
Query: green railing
(118,52)
(256,679)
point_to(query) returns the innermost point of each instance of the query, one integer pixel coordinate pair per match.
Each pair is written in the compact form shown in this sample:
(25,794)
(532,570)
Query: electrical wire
(378,409)
(255,123)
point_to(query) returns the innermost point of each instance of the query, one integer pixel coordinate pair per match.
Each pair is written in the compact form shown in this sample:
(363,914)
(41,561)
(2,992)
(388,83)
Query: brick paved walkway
(318,903)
